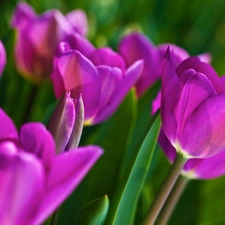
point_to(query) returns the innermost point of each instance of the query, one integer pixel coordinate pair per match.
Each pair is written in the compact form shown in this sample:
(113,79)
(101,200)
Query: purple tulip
(38,37)
(193,107)
(209,168)
(2,58)
(66,123)
(34,181)
(99,74)
(137,46)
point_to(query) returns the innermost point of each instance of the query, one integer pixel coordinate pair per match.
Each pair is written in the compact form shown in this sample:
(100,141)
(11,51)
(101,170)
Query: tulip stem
(172,200)
(55,217)
(165,190)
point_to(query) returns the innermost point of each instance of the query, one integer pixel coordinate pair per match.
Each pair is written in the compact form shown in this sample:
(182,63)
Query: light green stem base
(165,190)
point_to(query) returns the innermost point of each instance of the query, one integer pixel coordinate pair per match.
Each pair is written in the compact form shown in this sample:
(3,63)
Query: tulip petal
(195,88)
(62,122)
(80,43)
(132,75)
(22,182)
(169,95)
(8,129)
(78,19)
(206,126)
(2,58)
(136,46)
(67,171)
(106,56)
(37,140)
(79,76)
(22,15)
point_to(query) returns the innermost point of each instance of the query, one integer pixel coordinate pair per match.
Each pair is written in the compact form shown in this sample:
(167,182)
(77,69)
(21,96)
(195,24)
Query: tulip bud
(66,123)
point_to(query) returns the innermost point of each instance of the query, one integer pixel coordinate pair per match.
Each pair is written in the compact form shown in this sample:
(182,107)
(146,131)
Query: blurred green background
(197,26)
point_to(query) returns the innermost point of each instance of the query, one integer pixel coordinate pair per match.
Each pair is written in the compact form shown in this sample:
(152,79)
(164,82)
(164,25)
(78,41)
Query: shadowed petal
(8,129)
(67,171)
(2,58)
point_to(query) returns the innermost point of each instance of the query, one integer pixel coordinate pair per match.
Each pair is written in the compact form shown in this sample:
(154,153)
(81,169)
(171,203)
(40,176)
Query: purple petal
(23,14)
(62,122)
(132,75)
(2,58)
(79,75)
(37,140)
(78,20)
(107,57)
(136,46)
(206,126)
(170,95)
(205,57)
(80,43)
(67,172)
(8,129)
(195,88)
(22,181)
(156,103)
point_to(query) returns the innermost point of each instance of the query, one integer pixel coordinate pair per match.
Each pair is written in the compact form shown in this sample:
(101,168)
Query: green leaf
(94,213)
(123,208)
(113,136)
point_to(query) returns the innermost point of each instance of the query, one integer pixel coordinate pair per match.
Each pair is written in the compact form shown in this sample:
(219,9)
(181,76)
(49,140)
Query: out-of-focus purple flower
(66,123)
(99,74)
(38,37)
(35,181)
(137,46)
(2,58)
(209,168)
(193,107)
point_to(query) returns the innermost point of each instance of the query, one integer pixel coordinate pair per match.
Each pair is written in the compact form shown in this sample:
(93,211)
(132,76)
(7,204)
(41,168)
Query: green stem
(172,200)
(165,190)
(55,217)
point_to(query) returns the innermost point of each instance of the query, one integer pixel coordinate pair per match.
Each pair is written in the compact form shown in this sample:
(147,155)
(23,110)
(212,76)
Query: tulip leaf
(113,136)
(94,213)
(124,205)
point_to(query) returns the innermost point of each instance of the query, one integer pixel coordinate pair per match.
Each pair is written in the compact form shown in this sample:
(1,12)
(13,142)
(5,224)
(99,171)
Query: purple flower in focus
(35,181)
(137,46)
(193,107)
(99,74)
(38,37)
(2,58)
(209,168)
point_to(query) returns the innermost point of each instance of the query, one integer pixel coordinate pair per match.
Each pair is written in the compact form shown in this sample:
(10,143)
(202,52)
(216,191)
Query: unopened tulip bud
(66,123)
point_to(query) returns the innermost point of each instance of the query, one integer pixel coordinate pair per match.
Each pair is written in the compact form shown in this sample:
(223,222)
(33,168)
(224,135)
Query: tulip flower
(137,46)
(208,168)
(99,74)
(66,123)
(35,181)
(38,37)
(193,107)
(2,58)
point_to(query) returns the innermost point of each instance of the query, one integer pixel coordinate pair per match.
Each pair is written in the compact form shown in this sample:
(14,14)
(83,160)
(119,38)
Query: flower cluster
(40,166)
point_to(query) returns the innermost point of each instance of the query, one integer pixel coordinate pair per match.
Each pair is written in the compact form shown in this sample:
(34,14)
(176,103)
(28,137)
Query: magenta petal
(78,20)
(197,87)
(206,126)
(22,182)
(132,75)
(8,129)
(156,103)
(205,57)
(37,140)
(79,75)
(2,58)
(136,46)
(80,43)
(22,15)
(67,171)
(170,95)
(106,56)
